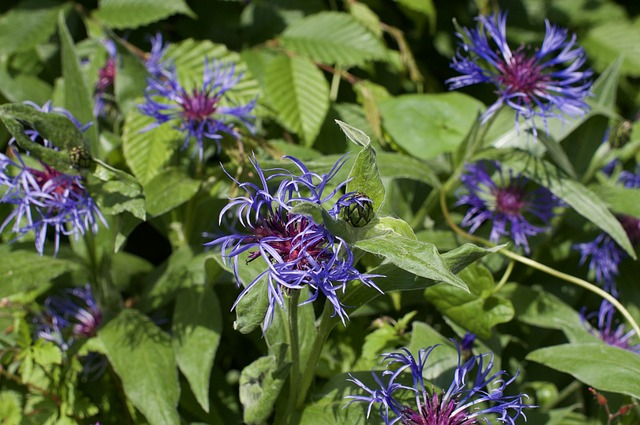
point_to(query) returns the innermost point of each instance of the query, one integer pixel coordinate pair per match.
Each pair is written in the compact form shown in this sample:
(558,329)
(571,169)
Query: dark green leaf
(116,191)
(365,177)
(28,24)
(169,189)
(260,385)
(22,271)
(197,327)
(599,365)
(142,356)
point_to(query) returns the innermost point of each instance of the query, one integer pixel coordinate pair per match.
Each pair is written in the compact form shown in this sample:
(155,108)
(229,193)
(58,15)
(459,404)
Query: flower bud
(357,209)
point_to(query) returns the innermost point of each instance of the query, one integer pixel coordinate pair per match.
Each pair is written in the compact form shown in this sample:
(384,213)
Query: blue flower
(543,82)
(504,203)
(197,112)
(607,330)
(297,251)
(604,257)
(68,317)
(155,62)
(468,400)
(103,91)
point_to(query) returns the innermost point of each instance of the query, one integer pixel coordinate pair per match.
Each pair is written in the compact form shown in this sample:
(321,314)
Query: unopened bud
(620,134)
(357,210)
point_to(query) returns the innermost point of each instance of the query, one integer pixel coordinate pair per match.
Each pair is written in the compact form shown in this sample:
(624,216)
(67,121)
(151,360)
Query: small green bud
(80,157)
(357,210)
(620,134)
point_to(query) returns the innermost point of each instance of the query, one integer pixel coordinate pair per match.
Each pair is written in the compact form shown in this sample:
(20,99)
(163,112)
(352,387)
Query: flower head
(468,400)
(607,330)
(103,91)
(298,252)
(68,317)
(543,82)
(155,62)
(197,112)
(506,203)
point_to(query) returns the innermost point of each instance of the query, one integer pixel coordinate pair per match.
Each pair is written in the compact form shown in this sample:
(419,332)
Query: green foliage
(120,14)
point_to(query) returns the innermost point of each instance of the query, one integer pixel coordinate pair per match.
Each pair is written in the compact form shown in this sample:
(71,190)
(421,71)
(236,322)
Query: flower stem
(505,276)
(294,341)
(543,268)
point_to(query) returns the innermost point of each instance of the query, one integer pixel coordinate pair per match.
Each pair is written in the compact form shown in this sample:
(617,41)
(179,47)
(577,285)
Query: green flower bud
(80,157)
(620,134)
(357,210)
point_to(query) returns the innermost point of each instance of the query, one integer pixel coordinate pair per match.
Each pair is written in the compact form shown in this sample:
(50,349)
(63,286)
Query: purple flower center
(435,412)
(631,225)
(106,76)
(199,106)
(510,200)
(61,184)
(522,75)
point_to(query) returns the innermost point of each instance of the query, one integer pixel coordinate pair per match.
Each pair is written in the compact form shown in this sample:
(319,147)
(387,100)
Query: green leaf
(116,191)
(426,125)
(299,93)
(260,385)
(78,98)
(398,166)
(335,38)
(142,356)
(146,151)
(23,86)
(197,327)
(130,14)
(22,271)
(607,42)
(477,310)
(620,199)
(169,189)
(605,88)
(365,177)
(28,24)
(11,407)
(599,365)
(354,134)
(419,258)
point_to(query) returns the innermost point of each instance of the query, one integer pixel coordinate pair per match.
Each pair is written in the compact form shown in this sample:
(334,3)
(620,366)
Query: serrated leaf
(333,37)
(419,258)
(426,125)
(167,190)
(197,328)
(120,14)
(299,93)
(599,365)
(146,152)
(78,98)
(477,310)
(608,41)
(365,177)
(28,24)
(142,356)
(21,271)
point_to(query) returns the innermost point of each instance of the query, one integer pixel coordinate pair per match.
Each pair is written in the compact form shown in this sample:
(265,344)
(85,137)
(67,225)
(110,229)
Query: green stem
(505,276)
(543,268)
(324,329)
(294,375)
(106,294)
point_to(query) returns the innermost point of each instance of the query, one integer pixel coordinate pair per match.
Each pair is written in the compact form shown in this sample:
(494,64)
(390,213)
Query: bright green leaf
(365,177)
(116,191)
(299,93)
(142,356)
(28,24)
(169,189)
(260,385)
(333,37)
(605,43)
(121,14)
(22,271)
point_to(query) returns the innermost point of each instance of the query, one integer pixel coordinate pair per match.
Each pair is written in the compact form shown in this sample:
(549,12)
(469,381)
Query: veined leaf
(28,24)
(298,91)
(22,271)
(169,189)
(365,177)
(333,37)
(120,14)
(142,356)
(605,43)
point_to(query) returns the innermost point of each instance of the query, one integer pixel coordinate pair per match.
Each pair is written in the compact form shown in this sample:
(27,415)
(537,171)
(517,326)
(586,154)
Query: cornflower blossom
(505,203)
(103,91)
(614,334)
(45,197)
(156,64)
(460,404)
(543,82)
(298,252)
(198,112)
(68,317)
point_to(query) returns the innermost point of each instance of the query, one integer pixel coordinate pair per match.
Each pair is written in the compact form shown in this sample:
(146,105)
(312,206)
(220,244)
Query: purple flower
(614,334)
(297,251)
(198,112)
(45,198)
(103,91)
(156,64)
(604,256)
(508,203)
(543,82)
(468,400)
(68,317)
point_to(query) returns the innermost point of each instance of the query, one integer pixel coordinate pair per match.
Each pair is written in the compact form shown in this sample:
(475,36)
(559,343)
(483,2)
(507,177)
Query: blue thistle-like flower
(155,62)
(460,404)
(543,82)
(607,330)
(298,252)
(68,317)
(199,112)
(504,203)
(103,91)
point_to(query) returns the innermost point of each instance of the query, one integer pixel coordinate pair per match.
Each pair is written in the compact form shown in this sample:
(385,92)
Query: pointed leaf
(120,14)
(365,177)
(605,88)
(197,327)
(299,93)
(354,134)
(142,356)
(605,43)
(599,365)
(28,24)
(333,37)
